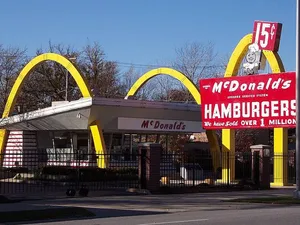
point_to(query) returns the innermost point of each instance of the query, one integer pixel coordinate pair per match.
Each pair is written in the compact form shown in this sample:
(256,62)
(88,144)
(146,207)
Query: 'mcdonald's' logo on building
(156,124)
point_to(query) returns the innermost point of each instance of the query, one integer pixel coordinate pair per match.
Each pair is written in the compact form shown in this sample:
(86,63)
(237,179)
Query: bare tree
(129,77)
(164,87)
(12,60)
(48,81)
(245,138)
(195,60)
(102,75)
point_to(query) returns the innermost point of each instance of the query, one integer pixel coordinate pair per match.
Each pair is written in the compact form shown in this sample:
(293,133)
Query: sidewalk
(155,203)
(40,195)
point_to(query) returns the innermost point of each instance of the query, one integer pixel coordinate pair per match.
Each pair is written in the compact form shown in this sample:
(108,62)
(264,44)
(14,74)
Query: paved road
(153,203)
(201,208)
(265,216)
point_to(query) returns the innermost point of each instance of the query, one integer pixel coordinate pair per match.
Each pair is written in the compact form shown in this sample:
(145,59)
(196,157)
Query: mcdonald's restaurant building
(66,128)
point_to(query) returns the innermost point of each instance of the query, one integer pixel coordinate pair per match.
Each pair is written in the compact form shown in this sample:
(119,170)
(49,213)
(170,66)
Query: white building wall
(21,150)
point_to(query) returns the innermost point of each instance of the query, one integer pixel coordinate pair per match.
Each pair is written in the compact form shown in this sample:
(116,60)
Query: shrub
(16,170)
(89,174)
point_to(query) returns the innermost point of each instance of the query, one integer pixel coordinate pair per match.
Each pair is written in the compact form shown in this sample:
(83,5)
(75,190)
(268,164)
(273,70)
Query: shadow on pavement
(52,215)
(128,206)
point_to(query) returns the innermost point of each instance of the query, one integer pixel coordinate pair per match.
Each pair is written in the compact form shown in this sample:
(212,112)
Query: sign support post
(297,191)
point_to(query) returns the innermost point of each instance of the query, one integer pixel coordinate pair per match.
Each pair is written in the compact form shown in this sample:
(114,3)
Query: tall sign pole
(297,192)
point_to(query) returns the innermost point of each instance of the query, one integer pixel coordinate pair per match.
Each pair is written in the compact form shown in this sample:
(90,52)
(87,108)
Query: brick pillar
(149,166)
(261,165)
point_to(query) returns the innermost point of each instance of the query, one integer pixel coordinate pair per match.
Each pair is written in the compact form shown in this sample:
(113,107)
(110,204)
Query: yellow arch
(80,81)
(211,135)
(9,106)
(168,71)
(228,135)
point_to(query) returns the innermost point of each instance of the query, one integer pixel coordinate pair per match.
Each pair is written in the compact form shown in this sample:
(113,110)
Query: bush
(6,173)
(58,170)
(16,170)
(92,174)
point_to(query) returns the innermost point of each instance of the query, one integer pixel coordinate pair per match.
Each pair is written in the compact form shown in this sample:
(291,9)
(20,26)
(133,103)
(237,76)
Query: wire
(125,64)
(137,65)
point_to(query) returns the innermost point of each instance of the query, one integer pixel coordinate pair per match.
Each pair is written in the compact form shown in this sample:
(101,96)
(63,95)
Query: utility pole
(67,84)
(297,191)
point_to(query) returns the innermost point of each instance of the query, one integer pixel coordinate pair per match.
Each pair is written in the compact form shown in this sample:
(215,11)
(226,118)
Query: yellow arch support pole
(211,135)
(98,144)
(10,103)
(280,134)
(228,135)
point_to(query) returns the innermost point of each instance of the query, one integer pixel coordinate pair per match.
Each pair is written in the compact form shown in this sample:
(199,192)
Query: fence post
(149,168)
(261,165)
(228,166)
(194,170)
(295,167)
(255,175)
(142,169)
(78,169)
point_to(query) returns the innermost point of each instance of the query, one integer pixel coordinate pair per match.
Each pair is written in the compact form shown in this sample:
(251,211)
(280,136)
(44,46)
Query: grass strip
(44,214)
(268,200)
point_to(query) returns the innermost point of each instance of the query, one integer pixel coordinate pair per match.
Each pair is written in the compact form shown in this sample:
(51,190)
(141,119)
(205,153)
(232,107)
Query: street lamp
(67,78)
(297,191)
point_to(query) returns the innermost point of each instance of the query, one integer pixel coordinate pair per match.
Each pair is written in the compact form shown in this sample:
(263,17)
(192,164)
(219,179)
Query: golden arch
(280,134)
(80,81)
(211,135)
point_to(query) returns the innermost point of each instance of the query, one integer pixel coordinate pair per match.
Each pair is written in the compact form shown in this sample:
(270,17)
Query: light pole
(297,191)
(67,79)
(67,82)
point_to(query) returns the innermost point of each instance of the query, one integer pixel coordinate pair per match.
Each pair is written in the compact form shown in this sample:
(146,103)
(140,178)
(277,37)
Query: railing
(43,172)
(196,169)
(56,174)
(288,164)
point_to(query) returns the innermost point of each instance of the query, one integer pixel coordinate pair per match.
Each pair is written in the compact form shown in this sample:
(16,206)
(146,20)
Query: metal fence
(196,169)
(57,172)
(288,163)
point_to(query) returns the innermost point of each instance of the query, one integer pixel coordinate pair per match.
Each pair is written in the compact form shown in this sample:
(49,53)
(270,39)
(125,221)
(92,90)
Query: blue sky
(143,32)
